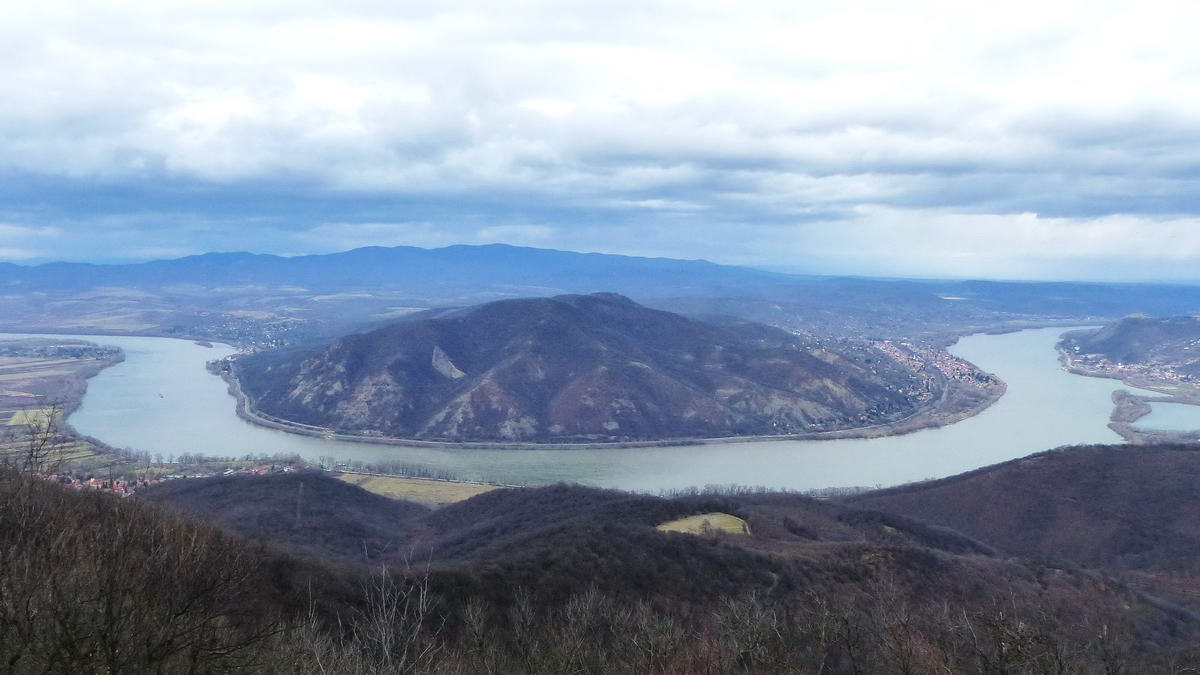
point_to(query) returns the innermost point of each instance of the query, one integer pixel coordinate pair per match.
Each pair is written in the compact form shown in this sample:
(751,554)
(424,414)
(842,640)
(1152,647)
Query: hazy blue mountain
(490,266)
(267,300)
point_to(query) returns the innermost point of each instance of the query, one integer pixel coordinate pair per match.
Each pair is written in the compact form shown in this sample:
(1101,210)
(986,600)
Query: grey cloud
(664,127)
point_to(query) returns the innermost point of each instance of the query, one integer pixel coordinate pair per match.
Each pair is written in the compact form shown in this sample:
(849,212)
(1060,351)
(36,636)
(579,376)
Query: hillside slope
(1143,340)
(586,568)
(575,367)
(306,513)
(1113,507)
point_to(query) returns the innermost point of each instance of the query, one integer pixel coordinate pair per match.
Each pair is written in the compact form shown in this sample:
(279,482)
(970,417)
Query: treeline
(43,348)
(92,583)
(390,468)
(146,457)
(873,630)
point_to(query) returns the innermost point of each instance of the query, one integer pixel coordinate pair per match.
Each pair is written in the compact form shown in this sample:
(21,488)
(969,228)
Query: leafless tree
(37,445)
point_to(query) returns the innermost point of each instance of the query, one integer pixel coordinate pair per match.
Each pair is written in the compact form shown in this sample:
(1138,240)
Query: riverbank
(42,381)
(162,400)
(1128,407)
(957,402)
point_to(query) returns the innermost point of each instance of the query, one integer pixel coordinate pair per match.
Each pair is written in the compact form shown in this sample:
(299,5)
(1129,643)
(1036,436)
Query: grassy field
(27,416)
(416,489)
(719,522)
(33,376)
(26,364)
(67,454)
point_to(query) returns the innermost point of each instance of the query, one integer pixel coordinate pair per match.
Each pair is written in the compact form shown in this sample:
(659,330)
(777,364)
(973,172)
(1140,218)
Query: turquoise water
(161,399)
(1171,417)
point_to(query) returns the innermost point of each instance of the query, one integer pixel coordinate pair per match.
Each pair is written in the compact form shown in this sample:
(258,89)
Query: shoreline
(920,420)
(70,397)
(925,418)
(1129,407)
(449,481)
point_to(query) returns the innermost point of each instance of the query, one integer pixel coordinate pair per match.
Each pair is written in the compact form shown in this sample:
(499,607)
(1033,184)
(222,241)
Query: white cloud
(19,233)
(937,243)
(7,253)
(241,91)
(27,243)
(943,123)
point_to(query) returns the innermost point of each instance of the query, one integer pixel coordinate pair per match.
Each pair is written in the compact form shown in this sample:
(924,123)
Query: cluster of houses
(1161,372)
(918,357)
(125,486)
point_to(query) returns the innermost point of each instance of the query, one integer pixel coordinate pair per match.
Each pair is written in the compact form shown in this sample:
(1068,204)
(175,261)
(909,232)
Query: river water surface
(1165,416)
(161,399)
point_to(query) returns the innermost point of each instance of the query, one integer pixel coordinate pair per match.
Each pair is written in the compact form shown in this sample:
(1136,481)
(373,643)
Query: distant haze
(1014,140)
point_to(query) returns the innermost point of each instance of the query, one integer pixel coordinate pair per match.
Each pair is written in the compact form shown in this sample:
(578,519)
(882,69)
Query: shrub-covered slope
(578,367)
(562,579)
(1118,507)
(307,513)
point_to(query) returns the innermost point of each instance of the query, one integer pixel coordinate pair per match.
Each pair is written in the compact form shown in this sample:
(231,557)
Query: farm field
(36,372)
(720,522)
(71,453)
(25,416)
(425,490)
(41,377)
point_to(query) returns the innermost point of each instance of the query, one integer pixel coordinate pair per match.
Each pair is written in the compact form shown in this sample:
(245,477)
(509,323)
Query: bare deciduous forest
(546,580)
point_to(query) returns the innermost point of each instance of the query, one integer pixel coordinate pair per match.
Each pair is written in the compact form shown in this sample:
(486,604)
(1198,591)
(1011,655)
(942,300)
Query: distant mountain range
(575,368)
(267,301)
(453,269)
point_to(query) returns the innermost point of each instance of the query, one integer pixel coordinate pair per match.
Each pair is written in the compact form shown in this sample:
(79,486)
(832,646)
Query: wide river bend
(161,399)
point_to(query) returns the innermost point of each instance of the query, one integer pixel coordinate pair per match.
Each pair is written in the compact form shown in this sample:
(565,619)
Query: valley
(1044,406)
(262,301)
(1078,568)
(583,338)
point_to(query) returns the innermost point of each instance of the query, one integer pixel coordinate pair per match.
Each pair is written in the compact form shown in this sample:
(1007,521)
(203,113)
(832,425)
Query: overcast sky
(1007,140)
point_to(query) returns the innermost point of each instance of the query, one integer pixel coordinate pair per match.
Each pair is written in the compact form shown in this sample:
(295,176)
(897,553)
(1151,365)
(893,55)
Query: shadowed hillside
(307,513)
(576,368)
(1120,508)
(551,580)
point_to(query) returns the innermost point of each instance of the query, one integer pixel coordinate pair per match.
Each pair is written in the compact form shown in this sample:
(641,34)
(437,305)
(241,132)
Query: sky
(1015,140)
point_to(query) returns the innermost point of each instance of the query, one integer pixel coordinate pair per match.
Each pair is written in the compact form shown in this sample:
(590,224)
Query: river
(162,399)
(1165,416)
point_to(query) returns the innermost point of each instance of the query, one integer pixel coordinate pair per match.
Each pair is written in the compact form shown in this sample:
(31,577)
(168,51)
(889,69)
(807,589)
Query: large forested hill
(575,367)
